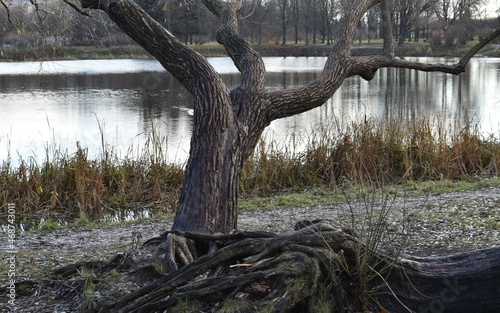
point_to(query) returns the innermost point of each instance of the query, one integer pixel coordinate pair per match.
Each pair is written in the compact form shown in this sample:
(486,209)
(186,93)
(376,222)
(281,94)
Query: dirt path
(434,225)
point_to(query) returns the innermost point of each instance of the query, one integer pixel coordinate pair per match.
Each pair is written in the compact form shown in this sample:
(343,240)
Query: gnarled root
(317,266)
(255,271)
(177,251)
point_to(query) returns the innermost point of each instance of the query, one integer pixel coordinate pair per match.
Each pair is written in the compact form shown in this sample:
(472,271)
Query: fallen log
(464,282)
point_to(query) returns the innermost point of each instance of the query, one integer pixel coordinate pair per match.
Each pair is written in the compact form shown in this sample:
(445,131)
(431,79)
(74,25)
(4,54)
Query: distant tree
(185,19)
(409,11)
(284,12)
(307,9)
(328,12)
(295,17)
(372,20)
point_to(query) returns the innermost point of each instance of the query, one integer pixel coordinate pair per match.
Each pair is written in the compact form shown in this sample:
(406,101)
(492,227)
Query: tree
(371,21)
(284,8)
(295,17)
(307,10)
(327,11)
(228,123)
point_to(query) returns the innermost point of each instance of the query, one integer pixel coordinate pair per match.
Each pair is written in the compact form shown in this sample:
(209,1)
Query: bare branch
(465,59)
(294,101)
(301,99)
(77,8)
(367,66)
(245,58)
(7,10)
(344,34)
(215,6)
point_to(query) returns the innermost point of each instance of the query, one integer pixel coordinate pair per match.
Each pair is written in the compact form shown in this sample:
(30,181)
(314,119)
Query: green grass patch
(322,195)
(49,225)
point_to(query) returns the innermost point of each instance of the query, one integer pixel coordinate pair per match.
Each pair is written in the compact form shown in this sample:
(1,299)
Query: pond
(50,106)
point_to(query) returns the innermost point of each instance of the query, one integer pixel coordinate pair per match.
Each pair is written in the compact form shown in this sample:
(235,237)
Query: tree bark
(465,282)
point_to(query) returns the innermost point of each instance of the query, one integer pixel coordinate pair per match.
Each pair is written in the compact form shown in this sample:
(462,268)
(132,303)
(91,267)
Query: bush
(449,37)
(436,40)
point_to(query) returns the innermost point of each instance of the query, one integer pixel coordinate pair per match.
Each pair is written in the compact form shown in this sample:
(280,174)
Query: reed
(372,151)
(66,187)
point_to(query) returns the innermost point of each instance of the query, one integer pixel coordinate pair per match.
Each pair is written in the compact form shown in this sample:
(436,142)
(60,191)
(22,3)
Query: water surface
(50,106)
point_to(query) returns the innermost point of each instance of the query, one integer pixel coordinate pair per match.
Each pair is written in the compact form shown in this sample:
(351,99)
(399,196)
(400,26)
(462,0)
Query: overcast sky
(492,8)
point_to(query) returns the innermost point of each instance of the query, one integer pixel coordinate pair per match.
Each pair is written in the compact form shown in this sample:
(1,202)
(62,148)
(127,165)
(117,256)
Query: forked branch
(245,58)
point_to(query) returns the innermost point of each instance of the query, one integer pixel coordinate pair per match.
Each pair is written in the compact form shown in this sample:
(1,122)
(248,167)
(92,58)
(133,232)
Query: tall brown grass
(67,186)
(375,152)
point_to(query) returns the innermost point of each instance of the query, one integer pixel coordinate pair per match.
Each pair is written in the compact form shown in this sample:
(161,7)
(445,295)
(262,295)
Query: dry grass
(374,152)
(69,186)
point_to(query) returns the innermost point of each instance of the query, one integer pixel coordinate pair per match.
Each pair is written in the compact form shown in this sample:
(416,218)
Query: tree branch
(367,66)
(77,8)
(294,101)
(465,59)
(245,58)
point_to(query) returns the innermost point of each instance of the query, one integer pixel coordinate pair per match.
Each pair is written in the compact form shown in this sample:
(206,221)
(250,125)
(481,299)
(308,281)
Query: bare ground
(437,224)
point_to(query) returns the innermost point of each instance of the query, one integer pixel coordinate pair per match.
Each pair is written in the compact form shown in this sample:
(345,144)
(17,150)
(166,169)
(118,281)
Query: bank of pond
(374,154)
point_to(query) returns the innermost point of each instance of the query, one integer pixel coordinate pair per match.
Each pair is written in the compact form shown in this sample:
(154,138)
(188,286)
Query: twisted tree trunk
(228,124)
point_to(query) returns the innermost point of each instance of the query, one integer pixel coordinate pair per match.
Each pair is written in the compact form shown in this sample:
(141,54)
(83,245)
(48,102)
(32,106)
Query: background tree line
(262,22)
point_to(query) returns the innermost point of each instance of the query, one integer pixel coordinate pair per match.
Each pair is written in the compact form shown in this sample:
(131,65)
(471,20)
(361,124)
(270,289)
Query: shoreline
(410,49)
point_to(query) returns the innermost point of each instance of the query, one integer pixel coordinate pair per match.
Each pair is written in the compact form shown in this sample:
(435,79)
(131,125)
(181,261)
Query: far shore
(415,49)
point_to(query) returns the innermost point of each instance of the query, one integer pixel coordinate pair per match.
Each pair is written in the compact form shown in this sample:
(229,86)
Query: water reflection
(58,104)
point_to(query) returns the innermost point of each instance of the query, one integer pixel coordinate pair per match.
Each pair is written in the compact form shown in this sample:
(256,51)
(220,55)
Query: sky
(492,8)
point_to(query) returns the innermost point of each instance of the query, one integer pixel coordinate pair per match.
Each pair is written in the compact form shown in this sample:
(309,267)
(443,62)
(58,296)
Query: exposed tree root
(252,270)
(315,267)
